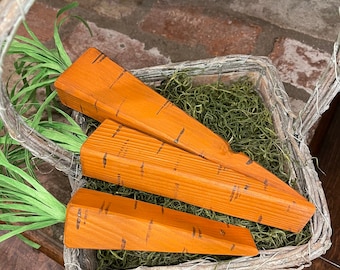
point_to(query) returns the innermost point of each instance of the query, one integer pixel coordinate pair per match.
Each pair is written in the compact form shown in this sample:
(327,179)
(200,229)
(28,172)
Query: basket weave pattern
(292,130)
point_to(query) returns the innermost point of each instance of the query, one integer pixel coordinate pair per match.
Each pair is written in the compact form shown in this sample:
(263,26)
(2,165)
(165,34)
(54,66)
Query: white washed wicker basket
(292,130)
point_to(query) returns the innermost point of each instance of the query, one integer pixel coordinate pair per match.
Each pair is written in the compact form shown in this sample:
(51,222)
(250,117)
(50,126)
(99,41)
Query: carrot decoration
(99,220)
(124,156)
(101,89)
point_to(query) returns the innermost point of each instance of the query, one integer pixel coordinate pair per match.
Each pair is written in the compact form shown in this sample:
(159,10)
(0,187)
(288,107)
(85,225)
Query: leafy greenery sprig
(24,203)
(30,90)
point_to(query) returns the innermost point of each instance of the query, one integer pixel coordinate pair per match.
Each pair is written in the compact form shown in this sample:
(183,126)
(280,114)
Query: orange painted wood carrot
(101,89)
(96,220)
(127,157)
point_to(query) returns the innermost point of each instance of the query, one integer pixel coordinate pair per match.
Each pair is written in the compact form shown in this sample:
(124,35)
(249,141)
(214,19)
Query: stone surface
(319,19)
(190,26)
(114,9)
(296,105)
(299,64)
(124,50)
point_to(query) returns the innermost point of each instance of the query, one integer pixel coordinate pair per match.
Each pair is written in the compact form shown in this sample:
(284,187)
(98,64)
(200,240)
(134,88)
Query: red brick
(298,64)
(40,20)
(185,25)
(127,52)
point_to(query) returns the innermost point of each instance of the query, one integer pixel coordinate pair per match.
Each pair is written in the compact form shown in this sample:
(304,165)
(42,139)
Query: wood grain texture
(127,157)
(326,147)
(49,246)
(98,220)
(101,89)
(17,255)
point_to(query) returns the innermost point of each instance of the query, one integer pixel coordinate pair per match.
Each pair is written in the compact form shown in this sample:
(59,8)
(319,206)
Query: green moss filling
(236,112)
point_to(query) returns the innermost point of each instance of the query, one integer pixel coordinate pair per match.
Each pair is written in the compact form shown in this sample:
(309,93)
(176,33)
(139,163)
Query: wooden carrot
(124,156)
(101,89)
(102,221)
(97,220)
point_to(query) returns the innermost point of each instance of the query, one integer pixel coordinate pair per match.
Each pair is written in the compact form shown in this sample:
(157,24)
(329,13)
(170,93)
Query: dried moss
(236,112)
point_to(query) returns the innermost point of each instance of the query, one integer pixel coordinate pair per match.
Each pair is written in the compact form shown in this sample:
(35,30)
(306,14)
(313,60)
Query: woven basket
(292,130)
